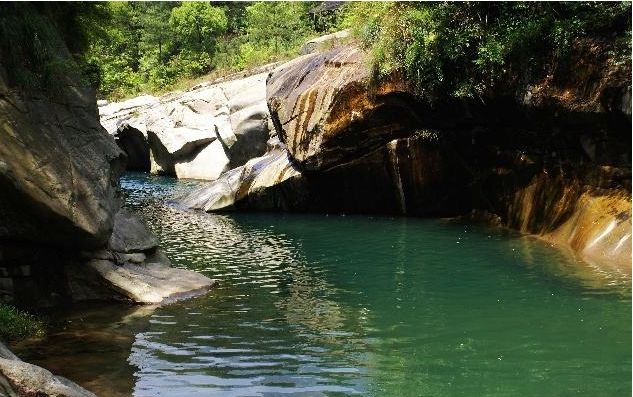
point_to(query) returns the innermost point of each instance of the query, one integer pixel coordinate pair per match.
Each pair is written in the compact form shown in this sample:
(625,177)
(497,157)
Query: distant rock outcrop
(258,178)
(196,134)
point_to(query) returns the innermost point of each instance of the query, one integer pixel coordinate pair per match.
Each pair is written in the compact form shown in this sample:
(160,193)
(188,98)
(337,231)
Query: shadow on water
(330,305)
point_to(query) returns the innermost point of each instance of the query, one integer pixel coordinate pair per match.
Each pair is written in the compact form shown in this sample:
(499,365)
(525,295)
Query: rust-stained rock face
(325,114)
(595,223)
(546,168)
(408,176)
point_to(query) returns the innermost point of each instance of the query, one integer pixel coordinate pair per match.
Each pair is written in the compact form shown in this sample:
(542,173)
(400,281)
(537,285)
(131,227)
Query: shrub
(16,324)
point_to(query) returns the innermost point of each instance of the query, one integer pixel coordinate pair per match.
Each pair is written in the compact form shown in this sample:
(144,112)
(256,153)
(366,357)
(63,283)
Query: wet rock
(259,177)
(130,233)
(595,224)
(151,282)
(18,378)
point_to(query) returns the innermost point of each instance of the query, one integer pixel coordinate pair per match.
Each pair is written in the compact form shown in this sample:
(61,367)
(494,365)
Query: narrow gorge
(317,225)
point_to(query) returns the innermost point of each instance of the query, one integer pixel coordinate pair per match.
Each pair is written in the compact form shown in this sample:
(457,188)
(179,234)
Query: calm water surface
(316,305)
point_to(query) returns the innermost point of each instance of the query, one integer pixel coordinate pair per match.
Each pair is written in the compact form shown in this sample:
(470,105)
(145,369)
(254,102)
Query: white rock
(208,164)
(153,282)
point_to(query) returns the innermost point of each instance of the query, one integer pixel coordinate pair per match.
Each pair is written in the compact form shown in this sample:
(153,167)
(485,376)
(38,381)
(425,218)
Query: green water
(316,305)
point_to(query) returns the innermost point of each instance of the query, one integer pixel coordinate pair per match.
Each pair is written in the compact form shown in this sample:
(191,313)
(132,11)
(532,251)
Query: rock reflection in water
(270,302)
(315,305)
(90,344)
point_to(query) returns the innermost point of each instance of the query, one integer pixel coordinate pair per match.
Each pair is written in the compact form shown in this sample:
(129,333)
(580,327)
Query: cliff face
(553,161)
(58,170)
(63,234)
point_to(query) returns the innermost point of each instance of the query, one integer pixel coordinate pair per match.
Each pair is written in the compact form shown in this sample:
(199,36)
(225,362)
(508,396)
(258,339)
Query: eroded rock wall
(557,168)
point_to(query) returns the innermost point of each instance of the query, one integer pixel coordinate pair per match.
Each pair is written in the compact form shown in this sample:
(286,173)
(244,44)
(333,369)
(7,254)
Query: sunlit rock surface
(324,113)
(257,183)
(355,147)
(197,134)
(594,223)
(132,268)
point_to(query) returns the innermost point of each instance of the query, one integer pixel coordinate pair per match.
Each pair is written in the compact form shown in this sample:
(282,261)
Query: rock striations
(60,202)
(348,144)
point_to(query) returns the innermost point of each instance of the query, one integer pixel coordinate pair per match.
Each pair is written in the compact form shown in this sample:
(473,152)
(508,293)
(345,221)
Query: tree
(279,24)
(198,23)
(154,20)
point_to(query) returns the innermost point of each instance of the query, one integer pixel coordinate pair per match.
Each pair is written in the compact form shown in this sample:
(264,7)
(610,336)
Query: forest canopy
(145,46)
(459,49)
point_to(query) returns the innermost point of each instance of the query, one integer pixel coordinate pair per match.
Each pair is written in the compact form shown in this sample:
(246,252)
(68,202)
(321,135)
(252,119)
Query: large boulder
(59,178)
(325,112)
(131,268)
(196,134)
(130,234)
(255,185)
(59,169)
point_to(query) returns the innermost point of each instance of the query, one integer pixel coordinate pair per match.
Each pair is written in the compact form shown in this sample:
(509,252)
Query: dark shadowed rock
(59,169)
(130,233)
(134,144)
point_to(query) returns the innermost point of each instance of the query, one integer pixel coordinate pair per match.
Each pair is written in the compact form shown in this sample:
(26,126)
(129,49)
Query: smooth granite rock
(325,114)
(196,134)
(151,282)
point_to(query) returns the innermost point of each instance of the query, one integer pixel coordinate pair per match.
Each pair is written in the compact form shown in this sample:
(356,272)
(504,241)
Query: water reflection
(91,344)
(321,305)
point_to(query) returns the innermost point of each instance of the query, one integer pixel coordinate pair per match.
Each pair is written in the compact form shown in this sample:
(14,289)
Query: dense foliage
(31,42)
(467,49)
(16,324)
(149,46)
(459,49)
